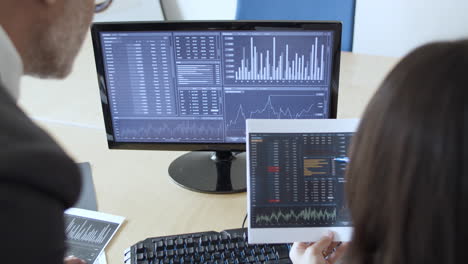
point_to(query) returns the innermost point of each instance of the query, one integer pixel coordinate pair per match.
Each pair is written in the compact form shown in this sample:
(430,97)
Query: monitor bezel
(97,28)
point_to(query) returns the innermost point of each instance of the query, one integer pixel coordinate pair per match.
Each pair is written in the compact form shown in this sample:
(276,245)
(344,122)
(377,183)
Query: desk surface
(135,184)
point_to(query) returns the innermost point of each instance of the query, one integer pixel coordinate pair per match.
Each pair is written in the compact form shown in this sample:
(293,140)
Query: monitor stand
(217,172)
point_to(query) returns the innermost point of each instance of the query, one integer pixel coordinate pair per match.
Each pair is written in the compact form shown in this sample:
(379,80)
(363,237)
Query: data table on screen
(168,86)
(297,179)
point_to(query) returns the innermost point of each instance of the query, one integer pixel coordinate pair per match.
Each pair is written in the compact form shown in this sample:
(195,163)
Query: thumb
(74,260)
(321,245)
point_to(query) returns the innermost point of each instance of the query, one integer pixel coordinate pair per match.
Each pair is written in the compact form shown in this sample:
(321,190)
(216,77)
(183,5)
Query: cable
(163,10)
(245,219)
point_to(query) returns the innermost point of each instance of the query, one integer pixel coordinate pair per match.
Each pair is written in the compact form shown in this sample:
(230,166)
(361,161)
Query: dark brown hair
(407,187)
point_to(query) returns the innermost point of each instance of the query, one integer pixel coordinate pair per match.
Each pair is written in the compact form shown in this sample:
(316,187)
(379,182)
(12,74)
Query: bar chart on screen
(268,59)
(83,230)
(88,232)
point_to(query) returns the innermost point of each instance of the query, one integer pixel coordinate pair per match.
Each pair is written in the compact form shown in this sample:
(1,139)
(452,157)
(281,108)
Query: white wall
(200,9)
(394,27)
(131,10)
(147,10)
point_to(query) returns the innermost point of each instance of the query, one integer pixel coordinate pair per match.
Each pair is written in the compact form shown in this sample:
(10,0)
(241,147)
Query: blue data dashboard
(200,87)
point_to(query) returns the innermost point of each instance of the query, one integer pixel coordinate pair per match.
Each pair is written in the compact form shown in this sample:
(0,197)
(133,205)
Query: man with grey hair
(38,181)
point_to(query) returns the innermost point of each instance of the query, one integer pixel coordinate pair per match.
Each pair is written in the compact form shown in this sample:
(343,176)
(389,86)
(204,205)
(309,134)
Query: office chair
(341,10)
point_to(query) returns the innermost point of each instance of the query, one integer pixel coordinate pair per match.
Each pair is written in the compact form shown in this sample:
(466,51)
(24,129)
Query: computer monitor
(191,85)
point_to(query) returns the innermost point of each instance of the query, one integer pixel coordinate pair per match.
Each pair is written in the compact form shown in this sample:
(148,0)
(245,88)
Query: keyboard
(226,247)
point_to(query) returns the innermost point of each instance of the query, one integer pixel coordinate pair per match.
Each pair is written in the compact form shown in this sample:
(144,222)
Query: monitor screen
(304,186)
(184,85)
(296,176)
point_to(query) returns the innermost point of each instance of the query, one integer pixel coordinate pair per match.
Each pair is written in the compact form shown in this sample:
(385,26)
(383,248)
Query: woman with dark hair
(407,187)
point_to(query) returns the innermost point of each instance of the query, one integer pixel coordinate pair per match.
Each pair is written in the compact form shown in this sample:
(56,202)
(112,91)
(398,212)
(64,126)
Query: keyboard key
(140,247)
(282,251)
(235,238)
(179,242)
(211,248)
(159,245)
(216,255)
(189,242)
(257,250)
(201,249)
(140,256)
(190,251)
(261,258)
(272,256)
(204,240)
(169,244)
(224,237)
(242,254)
(267,250)
(214,238)
(240,245)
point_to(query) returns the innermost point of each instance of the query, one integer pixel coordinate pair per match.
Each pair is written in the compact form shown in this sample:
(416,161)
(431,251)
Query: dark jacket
(38,181)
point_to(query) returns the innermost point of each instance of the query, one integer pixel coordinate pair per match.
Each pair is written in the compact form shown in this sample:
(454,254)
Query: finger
(301,245)
(74,260)
(297,250)
(339,253)
(317,248)
(331,248)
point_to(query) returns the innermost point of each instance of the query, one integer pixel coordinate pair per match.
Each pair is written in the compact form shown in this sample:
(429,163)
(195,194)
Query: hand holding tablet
(324,251)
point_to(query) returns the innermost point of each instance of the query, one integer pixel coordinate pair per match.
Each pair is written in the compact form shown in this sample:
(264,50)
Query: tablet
(295,179)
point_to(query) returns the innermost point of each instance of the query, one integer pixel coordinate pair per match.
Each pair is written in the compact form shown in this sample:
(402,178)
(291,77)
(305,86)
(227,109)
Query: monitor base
(217,172)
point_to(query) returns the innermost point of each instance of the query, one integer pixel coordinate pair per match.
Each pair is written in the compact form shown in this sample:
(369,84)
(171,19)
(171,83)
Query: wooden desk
(135,184)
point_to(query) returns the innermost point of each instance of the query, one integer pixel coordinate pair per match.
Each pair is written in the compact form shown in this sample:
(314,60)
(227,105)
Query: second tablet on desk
(295,180)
